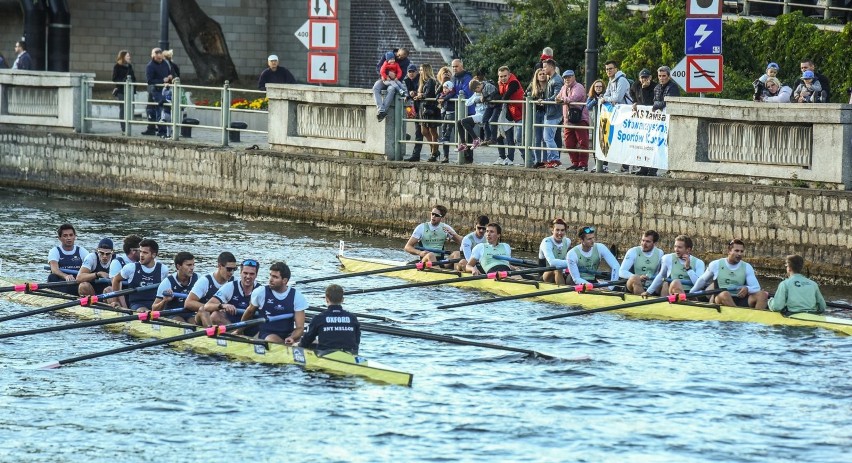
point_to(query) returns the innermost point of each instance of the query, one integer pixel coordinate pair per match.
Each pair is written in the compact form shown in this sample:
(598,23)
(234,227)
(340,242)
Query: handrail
(438,24)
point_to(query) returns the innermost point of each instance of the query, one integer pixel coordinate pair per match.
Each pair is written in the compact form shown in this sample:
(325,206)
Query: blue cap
(389,55)
(773,66)
(808,75)
(412,67)
(105,243)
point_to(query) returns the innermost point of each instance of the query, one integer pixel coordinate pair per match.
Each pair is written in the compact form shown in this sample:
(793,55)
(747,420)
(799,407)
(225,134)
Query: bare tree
(204,42)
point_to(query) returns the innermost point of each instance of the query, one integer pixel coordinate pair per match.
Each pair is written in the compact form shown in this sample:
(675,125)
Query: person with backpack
(617,91)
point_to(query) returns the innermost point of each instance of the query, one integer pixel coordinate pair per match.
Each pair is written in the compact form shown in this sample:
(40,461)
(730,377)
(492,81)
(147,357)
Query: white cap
(272,58)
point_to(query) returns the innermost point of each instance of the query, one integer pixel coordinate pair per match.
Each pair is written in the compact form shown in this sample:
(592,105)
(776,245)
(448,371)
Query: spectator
(546,54)
(825,94)
(399,56)
(461,82)
(166,111)
(274,74)
(412,82)
(666,87)
(174,70)
(809,90)
(156,74)
(467,125)
(552,113)
(3,64)
(122,69)
(492,110)
(617,90)
(427,95)
(642,92)
(448,115)
(776,92)
(576,114)
(596,92)
(510,89)
(537,92)
(760,84)
(23,61)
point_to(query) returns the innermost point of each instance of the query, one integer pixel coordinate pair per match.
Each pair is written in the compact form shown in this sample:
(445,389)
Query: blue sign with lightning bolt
(703,36)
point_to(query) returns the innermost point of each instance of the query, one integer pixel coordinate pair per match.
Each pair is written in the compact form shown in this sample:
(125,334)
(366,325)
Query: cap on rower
(587,230)
(105,243)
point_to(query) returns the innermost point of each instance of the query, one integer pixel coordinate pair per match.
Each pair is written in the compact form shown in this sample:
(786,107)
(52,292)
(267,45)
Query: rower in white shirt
(472,239)
(431,236)
(641,263)
(553,252)
(678,271)
(584,259)
(206,286)
(737,277)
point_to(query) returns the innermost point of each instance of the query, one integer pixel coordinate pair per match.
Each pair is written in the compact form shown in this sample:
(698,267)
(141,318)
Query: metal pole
(592,43)
(84,103)
(164,24)
(461,113)
(176,108)
(226,113)
(398,129)
(129,93)
(528,132)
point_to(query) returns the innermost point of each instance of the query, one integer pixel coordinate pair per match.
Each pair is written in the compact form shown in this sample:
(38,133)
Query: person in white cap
(274,74)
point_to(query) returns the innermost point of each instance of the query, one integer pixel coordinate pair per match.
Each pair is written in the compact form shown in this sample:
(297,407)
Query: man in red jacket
(510,88)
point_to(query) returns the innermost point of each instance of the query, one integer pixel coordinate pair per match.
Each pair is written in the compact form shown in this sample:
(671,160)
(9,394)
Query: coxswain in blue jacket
(335,329)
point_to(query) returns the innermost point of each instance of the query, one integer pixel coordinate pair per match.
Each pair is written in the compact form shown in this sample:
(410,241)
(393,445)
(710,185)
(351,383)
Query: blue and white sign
(703,36)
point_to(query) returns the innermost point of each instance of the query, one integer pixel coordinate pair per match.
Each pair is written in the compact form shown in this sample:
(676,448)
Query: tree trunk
(204,42)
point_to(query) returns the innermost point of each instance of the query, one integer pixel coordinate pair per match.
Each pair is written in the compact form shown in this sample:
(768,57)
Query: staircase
(477,16)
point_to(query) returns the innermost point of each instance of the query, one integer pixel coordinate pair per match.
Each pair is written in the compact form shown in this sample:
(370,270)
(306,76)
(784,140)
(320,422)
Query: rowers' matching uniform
(206,287)
(232,293)
(638,262)
(798,294)
(485,253)
(584,265)
(552,253)
(469,242)
(672,268)
(93,263)
(71,260)
(433,236)
(271,303)
(136,275)
(336,329)
(118,263)
(172,283)
(729,277)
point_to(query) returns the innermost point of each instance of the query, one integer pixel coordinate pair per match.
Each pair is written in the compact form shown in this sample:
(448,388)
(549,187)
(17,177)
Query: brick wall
(774,221)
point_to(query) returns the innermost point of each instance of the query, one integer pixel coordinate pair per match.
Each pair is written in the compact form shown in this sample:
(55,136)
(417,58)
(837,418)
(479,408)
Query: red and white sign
(704,73)
(703,8)
(322,9)
(323,34)
(322,68)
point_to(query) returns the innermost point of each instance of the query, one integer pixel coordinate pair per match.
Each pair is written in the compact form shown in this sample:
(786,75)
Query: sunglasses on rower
(434,214)
(251,263)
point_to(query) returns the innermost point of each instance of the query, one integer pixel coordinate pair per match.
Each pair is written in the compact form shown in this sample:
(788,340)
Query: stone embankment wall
(390,198)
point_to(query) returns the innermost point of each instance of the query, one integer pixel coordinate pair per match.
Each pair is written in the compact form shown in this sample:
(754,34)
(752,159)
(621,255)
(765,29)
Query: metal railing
(438,24)
(180,105)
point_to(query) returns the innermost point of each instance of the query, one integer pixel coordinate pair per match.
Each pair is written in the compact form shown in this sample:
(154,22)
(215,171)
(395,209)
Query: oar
(448,339)
(70,271)
(141,316)
(83,301)
(513,260)
(211,331)
(490,276)
(839,305)
(433,251)
(418,266)
(672,299)
(578,288)
(30,287)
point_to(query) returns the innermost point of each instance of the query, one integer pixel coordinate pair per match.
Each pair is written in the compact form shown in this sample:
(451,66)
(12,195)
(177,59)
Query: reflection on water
(652,391)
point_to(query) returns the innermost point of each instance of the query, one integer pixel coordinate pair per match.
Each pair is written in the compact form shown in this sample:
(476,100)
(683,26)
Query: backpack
(630,82)
(489,92)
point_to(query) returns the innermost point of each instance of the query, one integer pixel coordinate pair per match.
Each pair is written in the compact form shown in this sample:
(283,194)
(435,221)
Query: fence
(222,118)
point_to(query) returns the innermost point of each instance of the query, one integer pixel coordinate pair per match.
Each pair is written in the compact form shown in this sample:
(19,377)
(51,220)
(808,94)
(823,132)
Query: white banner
(637,138)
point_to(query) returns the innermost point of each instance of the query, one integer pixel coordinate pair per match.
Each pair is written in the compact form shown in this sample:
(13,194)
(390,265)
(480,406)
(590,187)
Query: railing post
(129,93)
(226,113)
(461,113)
(398,129)
(176,108)
(528,132)
(786,6)
(746,8)
(84,102)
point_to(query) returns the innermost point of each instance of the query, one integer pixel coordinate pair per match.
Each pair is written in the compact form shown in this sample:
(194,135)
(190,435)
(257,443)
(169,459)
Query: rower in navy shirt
(66,256)
(335,329)
(234,297)
(206,287)
(180,282)
(148,271)
(95,267)
(278,299)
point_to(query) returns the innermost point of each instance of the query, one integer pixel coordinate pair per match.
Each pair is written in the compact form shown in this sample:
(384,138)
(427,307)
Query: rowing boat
(599,299)
(233,347)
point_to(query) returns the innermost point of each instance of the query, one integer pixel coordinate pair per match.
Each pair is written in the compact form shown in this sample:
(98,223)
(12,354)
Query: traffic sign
(322,68)
(323,34)
(703,36)
(704,74)
(703,8)
(322,9)
(304,34)
(679,73)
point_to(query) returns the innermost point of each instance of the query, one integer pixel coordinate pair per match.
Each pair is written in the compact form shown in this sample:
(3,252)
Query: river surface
(652,391)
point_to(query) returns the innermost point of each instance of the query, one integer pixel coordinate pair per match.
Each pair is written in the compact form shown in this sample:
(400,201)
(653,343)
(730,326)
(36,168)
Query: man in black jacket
(412,82)
(642,91)
(808,65)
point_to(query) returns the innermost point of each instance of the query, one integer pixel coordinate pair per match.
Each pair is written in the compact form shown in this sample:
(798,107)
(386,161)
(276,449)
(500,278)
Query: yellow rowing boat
(246,351)
(595,299)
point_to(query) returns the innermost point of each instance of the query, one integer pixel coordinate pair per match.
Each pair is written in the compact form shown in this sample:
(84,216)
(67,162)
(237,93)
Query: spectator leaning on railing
(825,94)
(23,60)
(775,92)
(122,69)
(156,74)
(576,114)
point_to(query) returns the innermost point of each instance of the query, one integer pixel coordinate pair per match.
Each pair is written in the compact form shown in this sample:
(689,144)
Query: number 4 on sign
(322,68)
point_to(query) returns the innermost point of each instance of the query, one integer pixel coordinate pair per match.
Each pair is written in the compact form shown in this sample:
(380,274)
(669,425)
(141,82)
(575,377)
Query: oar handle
(70,271)
(433,251)
(513,260)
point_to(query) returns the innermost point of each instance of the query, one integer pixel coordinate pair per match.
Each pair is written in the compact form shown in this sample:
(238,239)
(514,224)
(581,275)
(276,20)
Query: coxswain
(275,299)
(96,266)
(432,236)
(797,294)
(641,264)
(206,286)
(584,259)
(553,252)
(148,271)
(180,282)
(735,275)
(334,329)
(678,271)
(483,257)
(470,240)
(67,256)
(232,299)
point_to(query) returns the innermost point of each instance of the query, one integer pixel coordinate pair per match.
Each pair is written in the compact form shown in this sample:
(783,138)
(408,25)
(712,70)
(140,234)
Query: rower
(553,252)
(472,239)
(148,271)
(96,266)
(733,274)
(797,294)
(641,263)
(432,235)
(206,287)
(179,282)
(65,256)
(226,306)
(277,298)
(131,254)
(678,271)
(334,329)
(584,259)
(482,258)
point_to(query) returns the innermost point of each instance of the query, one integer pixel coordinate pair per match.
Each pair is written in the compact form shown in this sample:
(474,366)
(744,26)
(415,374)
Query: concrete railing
(323,120)
(38,98)
(731,140)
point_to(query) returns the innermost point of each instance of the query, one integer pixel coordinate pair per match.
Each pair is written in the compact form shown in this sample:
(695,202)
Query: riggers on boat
(233,347)
(593,300)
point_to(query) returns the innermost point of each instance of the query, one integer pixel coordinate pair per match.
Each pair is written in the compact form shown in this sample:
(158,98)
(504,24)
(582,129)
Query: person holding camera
(773,92)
